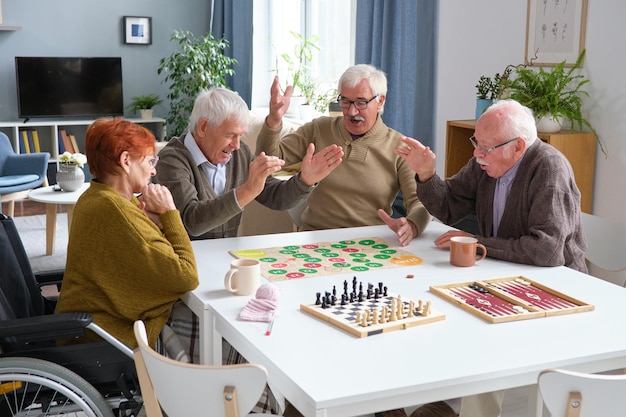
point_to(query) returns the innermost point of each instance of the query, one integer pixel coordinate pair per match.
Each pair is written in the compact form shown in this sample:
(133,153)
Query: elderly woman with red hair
(129,256)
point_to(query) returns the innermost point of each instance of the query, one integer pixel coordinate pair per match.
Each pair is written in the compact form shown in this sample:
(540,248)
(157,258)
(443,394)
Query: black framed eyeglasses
(486,150)
(358,104)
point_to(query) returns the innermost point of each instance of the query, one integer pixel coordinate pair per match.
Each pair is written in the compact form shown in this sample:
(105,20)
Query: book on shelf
(74,143)
(61,144)
(67,142)
(25,143)
(36,145)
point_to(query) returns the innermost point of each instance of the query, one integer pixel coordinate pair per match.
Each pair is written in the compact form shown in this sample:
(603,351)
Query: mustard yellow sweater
(121,267)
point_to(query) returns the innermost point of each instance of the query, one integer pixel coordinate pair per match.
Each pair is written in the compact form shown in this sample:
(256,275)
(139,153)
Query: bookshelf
(578,147)
(48,132)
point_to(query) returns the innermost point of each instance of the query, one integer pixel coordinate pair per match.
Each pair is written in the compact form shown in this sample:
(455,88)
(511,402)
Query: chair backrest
(575,394)
(5,148)
(606,251)
(19,293)
(183,389)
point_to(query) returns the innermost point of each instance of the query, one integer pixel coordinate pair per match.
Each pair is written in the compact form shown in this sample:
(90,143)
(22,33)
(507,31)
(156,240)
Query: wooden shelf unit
(578,147)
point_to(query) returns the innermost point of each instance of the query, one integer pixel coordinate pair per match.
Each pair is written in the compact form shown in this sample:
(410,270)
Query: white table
(324,371)
(53,199)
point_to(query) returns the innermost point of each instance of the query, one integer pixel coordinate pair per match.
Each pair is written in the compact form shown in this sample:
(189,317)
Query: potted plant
(144,104)
(297,68)
(556,94)
(488,90)
(198,64)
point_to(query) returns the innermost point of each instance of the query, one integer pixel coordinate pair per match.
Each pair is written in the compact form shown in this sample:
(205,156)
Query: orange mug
(463,251)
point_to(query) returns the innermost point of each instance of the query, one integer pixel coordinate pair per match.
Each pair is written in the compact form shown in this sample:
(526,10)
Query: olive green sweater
(121,267)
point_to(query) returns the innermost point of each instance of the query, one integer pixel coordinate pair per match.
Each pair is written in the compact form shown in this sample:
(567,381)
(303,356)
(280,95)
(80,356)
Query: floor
(28,208)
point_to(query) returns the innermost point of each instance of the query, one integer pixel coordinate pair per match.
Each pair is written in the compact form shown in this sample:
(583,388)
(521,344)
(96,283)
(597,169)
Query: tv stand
(48,132)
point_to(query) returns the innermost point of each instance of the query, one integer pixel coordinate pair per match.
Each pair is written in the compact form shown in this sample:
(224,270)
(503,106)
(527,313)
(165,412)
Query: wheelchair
(38,376)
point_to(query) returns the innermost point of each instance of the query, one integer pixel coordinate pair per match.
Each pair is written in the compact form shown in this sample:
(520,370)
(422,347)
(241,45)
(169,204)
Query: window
(331,20)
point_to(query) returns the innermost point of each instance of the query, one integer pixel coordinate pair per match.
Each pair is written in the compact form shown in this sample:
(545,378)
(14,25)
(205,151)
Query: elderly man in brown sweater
(523,194)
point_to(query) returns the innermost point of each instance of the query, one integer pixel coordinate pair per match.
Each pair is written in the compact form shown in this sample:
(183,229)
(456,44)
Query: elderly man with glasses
(523,194)
(362,189)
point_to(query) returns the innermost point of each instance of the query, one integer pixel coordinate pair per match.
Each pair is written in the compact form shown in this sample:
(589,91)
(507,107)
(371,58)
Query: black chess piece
(317,299)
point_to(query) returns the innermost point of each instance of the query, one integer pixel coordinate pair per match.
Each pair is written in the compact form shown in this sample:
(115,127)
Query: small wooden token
(410,276)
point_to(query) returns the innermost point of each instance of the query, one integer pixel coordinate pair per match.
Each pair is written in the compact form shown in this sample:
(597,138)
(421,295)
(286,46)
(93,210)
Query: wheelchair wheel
(34,387)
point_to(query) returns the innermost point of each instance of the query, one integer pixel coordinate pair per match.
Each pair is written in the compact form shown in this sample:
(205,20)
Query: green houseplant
(489,89)
(557,93)
(296,65)
(198,64)
(143,103)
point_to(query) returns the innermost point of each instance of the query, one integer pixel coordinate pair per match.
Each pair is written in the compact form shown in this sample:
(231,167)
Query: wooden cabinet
(578,147)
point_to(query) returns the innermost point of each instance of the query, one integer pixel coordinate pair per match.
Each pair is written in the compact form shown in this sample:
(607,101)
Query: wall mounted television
(69,87)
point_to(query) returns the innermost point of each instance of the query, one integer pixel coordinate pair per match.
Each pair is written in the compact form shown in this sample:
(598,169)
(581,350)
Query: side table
(53,199)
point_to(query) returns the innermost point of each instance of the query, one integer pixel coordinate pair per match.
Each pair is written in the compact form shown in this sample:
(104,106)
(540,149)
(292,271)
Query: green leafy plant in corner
(199,63)
(144,102)
(558,92)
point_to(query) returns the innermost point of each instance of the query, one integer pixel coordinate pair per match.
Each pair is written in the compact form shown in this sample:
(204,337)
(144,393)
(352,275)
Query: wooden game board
(346,317)
(326,258)
(509,299)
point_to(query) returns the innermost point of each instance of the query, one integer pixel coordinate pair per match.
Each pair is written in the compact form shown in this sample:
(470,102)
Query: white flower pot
(70,177)
(146,114)
(549,124)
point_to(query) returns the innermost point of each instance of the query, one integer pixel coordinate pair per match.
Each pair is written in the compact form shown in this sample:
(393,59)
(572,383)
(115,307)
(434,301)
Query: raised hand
(316,166)
(260,168)
(419,157)
(279,104)
(404,229)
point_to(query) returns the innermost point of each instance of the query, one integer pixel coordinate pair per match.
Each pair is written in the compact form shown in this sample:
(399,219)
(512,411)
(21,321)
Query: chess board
(357,317)
(326,258)
(509,299)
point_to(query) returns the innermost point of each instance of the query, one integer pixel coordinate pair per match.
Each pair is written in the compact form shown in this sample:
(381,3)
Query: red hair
(107,139)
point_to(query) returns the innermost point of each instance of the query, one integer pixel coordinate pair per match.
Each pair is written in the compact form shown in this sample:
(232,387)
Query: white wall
(481,37)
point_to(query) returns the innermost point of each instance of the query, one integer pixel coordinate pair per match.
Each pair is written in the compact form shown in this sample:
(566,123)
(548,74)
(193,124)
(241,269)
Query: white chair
(183,389)
(575,394)
(606,252)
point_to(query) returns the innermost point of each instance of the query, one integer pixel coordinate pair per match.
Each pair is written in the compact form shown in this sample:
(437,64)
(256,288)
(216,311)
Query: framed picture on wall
(138,30)
(555,31)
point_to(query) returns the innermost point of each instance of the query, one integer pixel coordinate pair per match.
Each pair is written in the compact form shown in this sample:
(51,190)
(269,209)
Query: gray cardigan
(541,224)
(207,215)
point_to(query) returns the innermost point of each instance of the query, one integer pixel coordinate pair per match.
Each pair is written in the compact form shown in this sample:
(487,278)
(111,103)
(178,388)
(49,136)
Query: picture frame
(137,30)
(555,31)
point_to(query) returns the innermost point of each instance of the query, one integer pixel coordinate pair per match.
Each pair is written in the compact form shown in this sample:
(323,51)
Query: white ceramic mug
(463,251)
(243,277)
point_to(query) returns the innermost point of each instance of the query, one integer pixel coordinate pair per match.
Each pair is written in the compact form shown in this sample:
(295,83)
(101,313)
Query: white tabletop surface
(51,196)
(325,371)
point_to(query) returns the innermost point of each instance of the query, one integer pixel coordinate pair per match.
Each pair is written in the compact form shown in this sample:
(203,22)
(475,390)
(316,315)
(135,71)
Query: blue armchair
(19,173)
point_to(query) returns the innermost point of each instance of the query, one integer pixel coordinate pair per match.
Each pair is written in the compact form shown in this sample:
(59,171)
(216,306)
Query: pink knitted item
(263,307)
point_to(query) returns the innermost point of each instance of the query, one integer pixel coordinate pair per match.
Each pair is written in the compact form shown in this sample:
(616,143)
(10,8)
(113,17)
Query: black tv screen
(64,87)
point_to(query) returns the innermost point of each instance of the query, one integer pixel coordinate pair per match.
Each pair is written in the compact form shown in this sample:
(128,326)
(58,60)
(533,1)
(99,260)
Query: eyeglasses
(152,160)
(358,104)
(486,150)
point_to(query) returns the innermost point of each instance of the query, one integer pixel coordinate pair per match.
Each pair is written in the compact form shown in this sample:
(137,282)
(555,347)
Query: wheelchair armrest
(47,327)
(51,277)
